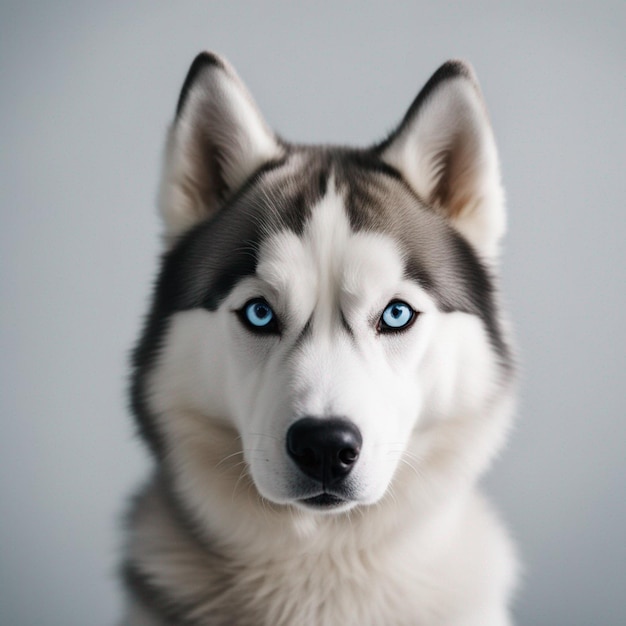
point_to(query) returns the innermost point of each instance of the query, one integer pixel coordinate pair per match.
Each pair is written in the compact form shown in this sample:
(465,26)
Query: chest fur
(193,583)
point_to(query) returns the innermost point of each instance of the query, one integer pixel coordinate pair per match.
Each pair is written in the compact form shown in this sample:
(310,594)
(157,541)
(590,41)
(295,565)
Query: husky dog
(324,373)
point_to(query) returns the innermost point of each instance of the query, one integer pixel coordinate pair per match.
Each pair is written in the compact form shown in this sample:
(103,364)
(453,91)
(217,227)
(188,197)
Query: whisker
(415,469)
(230,456)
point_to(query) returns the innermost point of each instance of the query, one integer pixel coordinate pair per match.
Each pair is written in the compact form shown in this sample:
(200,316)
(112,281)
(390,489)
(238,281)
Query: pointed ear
(217,141)
(445,150)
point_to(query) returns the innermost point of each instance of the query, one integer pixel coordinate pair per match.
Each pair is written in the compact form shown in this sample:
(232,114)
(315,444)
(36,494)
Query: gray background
(86,91)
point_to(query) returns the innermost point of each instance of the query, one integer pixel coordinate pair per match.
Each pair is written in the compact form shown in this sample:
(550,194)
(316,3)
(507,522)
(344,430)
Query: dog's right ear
(217,141)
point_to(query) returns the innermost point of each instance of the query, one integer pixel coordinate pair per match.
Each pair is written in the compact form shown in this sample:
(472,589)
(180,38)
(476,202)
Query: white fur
(418,545)
(219,389)
(428,566)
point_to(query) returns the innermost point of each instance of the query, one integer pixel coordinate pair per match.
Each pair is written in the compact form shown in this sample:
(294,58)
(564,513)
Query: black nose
(324,449)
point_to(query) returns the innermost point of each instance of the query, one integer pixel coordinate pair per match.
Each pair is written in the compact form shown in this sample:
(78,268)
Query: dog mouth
(324,501)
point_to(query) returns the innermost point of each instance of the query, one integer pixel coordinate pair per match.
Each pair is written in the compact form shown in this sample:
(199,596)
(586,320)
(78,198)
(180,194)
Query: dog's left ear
(445,150)
(216,142)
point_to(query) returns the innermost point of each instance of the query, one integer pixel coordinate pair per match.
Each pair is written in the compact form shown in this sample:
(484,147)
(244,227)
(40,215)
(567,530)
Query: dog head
(324,316)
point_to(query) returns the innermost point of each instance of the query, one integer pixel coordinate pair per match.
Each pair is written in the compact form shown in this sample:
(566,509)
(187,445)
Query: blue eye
(396,316)
(258,316)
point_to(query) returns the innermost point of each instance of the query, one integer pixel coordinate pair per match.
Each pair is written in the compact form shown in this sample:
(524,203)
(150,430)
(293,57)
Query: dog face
(322,315)
(325,351)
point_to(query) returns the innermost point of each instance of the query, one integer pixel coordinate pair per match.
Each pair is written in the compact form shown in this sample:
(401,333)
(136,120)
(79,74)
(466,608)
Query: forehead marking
(330,267)
(306,267)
